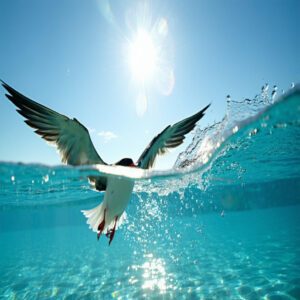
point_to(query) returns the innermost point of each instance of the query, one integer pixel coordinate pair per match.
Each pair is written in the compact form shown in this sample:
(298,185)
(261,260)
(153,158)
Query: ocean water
(224,223)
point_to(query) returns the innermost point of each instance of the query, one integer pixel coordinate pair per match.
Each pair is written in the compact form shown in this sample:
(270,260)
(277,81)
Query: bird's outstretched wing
(71,138)
(170,137)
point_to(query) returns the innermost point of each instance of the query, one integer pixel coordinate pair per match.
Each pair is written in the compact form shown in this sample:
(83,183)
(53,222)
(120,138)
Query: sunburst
(143,56)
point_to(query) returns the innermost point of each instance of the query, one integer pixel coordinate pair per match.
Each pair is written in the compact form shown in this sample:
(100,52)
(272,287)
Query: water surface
(222,224)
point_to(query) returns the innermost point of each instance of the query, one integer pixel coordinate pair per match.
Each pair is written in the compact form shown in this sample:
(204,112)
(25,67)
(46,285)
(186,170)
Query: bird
(75,147)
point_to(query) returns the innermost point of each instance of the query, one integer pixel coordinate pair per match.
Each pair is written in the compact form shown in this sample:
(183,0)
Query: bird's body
(74,144)
(117,196)
(112,209)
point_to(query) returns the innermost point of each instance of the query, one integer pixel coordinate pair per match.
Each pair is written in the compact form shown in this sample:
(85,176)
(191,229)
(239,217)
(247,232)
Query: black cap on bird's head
(125,162)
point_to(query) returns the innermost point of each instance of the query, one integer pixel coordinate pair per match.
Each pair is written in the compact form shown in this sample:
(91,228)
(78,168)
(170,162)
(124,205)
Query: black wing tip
(5,85)
(11,91)
(205,108)
(196,117)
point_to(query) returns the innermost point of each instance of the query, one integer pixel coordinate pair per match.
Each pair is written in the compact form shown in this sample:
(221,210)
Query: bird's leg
(101,226)
(111,233)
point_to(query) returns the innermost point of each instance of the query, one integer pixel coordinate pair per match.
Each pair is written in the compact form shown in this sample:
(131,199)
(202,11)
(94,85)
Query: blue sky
(72,55)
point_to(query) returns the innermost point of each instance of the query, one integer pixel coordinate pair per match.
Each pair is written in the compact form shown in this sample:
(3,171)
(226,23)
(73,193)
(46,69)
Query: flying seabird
(75,147)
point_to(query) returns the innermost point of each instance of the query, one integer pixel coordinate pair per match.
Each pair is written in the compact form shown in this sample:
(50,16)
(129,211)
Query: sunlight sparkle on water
(154,274)
(206,149)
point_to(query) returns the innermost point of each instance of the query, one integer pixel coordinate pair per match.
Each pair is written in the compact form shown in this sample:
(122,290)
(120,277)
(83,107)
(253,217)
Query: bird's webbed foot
(101,226)
(111,233)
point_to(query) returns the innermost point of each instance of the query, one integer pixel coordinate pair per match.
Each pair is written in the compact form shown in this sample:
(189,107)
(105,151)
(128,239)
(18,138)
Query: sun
(143,56)
(148,56)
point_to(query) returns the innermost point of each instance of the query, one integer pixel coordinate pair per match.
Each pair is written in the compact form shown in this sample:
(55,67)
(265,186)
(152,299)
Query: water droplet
(292,85)
(46,178)
(274,94)
(228,98)
(253,132)
(280,125)
(12,178)
(235,129)
(265,88)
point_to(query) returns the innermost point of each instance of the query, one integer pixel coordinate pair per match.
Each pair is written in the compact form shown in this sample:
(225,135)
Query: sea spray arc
(74,144)
(208,142)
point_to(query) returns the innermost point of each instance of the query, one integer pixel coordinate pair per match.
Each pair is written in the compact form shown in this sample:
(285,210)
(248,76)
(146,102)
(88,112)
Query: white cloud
(107,135)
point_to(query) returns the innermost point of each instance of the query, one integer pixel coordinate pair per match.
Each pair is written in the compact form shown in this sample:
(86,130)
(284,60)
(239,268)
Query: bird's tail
(94,216)
(98,215)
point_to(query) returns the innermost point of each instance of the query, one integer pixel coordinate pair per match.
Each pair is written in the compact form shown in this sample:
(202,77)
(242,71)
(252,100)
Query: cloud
(107,135)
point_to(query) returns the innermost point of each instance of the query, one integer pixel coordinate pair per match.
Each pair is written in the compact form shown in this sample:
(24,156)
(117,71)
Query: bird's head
(126,162)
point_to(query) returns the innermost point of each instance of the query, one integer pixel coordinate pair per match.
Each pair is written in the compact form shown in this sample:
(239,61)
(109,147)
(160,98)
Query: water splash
(274,93)
(206,141)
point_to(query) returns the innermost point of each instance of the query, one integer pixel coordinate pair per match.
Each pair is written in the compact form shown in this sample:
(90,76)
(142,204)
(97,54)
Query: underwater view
(223,223)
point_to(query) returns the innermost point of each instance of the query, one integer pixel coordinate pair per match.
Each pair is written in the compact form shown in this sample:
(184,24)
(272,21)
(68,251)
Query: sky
(127,69)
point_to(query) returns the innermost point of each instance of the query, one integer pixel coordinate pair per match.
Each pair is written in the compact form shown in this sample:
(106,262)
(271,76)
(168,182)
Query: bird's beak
(133,165)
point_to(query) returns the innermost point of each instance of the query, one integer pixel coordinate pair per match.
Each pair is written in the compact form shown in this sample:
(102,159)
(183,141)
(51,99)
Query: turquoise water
(223,224)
